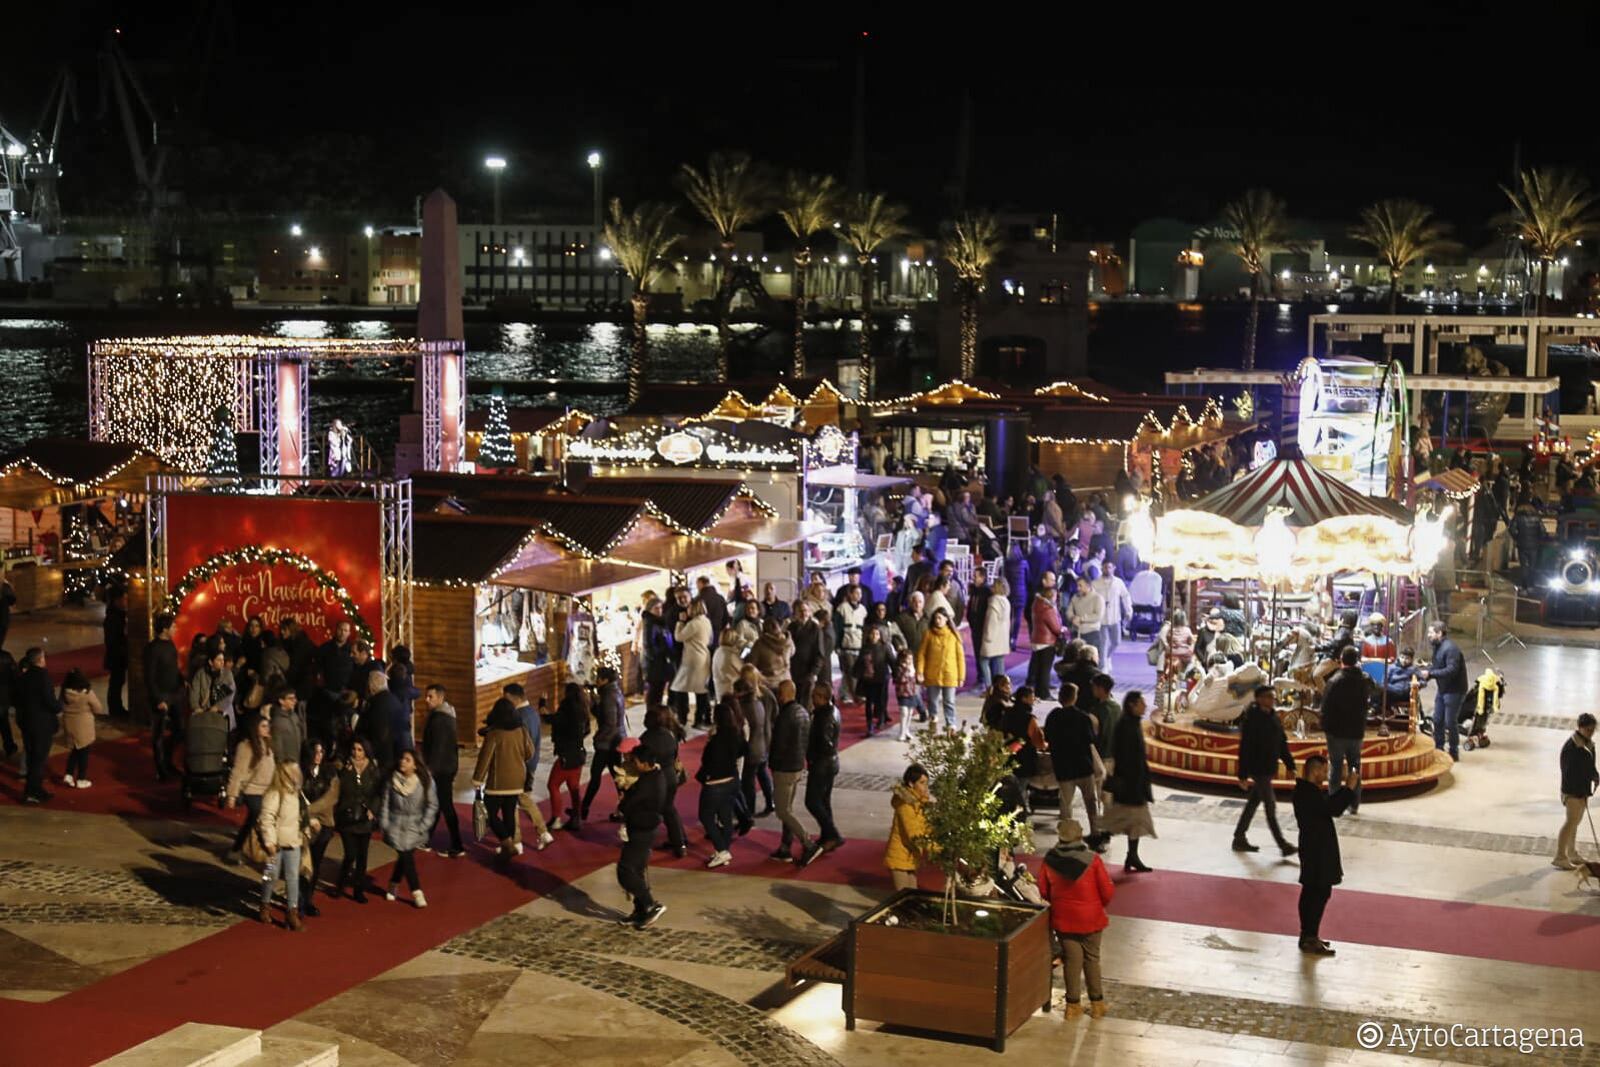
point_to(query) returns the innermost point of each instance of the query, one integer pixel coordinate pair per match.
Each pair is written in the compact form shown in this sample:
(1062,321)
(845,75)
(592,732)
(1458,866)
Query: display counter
(36,585)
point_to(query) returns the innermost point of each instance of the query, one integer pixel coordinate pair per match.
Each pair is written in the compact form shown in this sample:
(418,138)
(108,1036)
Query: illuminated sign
(681,448)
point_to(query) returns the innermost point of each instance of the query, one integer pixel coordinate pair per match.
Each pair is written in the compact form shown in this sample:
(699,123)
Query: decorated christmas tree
(223,455)
(496,450)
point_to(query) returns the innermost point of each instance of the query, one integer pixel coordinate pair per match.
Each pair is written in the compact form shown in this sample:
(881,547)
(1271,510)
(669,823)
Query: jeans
(1446,713)
(164,735)
(1567,839)
(847,670)
(1091,803)
(502,816)
(405,866)
(1039,671)
(1096,639)
(990,668)
(669,814)
(633,871)
(784,786)
(78,763)
(819,800)
(876,696)
(1111,634)
(353,870)
(755,772)
(1260,795)
(716,812)
(252,812)
(1080,964)
(942,696)
(604,759)
(1343,751)
(1313,901)
(285,861)
(445,783)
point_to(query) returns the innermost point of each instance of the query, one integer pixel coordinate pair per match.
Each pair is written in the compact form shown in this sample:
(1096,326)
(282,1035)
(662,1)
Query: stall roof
(771,533)
(59,470)
(594,525)
(693,503)
(1452,482)
(680,552)
(850,478)
(695,400)
(574,577)
(456,549)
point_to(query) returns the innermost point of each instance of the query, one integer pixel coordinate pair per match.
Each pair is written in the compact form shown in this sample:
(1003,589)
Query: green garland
(205,571)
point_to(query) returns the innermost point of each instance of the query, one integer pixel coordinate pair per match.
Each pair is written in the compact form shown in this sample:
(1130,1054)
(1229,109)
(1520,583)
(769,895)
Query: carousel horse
(1223,692)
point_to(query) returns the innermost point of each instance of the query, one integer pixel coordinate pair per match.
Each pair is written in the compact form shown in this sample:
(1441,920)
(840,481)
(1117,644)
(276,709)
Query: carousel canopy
(60,470)
(1309,495)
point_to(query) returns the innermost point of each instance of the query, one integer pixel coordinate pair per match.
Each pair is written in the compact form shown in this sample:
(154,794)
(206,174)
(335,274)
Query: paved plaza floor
(118,920)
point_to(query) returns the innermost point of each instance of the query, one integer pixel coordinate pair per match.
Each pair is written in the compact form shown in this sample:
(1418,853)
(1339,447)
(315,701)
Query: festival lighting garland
(209,568)
(1068,389)
(954,391)
(62,479)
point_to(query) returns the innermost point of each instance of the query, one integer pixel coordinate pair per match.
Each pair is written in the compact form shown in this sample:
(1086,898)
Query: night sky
(1107,118)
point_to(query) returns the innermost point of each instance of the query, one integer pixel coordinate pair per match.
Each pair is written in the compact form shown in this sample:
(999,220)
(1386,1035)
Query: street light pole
(496,165)
(594,165)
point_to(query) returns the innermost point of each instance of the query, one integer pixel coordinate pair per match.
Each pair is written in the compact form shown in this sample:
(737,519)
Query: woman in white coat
(727,662)
(994,642)
(693,634)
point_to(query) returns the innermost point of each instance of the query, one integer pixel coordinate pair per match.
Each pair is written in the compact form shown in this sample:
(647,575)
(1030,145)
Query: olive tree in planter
(945,961)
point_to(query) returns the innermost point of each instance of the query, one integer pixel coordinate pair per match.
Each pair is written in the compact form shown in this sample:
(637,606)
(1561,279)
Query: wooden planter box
(956,983)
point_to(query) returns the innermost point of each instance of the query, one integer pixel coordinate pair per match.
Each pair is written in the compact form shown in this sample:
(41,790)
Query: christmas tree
(223,454)
(496,449)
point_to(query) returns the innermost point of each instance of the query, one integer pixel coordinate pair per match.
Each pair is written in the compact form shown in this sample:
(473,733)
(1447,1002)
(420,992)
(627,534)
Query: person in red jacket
(1076,884)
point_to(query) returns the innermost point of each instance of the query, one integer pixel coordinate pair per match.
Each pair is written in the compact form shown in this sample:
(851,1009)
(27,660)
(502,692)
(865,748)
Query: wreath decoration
(206,570)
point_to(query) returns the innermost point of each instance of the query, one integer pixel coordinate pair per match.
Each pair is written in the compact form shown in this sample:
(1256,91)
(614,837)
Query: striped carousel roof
(1310,495)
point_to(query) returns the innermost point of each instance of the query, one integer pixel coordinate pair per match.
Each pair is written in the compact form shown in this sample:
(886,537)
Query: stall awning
(60,470)
(680,553)
(850,478)
(578,576)
(770,533)
(1455,483)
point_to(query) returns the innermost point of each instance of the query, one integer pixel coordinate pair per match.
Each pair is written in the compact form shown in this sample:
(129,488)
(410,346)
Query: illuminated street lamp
(496,165)
(594,165)
(295,230)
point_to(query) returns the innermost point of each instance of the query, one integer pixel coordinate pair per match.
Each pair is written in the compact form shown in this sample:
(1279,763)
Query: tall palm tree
(1260,223)
(641,241)
(731,194)
(970,251)
(809,204)
(870,222)
(1550,210)
(1402,232)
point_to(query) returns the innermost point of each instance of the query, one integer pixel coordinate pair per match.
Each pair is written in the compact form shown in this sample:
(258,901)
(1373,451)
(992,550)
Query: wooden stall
(538,435)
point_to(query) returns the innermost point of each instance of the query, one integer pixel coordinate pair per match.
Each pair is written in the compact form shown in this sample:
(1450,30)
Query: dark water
(42,361)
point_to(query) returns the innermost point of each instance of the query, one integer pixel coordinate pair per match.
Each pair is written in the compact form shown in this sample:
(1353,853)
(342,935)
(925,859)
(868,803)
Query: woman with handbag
(500,773)
(251,776)
(318,781)
(358,785)
(568,727)
(405,815)
(1128,782)
(283,826)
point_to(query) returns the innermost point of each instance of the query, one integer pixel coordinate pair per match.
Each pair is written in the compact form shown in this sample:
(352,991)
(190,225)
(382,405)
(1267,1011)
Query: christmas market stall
(1272,552)
(1090,443)
(523,439)
(66,505)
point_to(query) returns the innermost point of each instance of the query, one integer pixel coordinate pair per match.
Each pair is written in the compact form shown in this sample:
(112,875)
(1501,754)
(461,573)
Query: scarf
(1070,859)
(406,786)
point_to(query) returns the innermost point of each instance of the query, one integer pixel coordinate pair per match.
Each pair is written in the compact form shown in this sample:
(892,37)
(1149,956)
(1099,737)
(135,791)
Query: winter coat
(657,646)
(1315,811)
(1578,776)
(903,852)
(770,655)
(1075,883)
(725,667)
(1344,704)
(439,749)
(694,670)
(78,709)
(941,661)
(994,633)
(1044,621)
(288,733)
(502,765)
(913,628)
(1130,778)
(163,682)
(356,798)
(716,614)
(283,818)
(1071,734)
(335,664)
(822,744)
(1262,745)
(644,801)
(760,712)
(377,726)
(875,664)
(250,779)
(806,660)
(1087,610)
(1017,574)
(791,738)
(405,815)
(611,724)
(568,727)
(1449,669)
(848,621)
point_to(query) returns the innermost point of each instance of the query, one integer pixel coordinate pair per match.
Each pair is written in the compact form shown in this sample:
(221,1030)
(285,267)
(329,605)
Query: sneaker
(419,900)
(33,798)
(1316,948)
(832,843)
(84,783)
(1241,845)
(782,855)
(649,917)
(812,851)
(426,848)
(72,783)
(546,839)
(1288,850)
(516,847)
(557,824)
(631,919)
(720,859)
(389,894)
(455,853)
(1563,864)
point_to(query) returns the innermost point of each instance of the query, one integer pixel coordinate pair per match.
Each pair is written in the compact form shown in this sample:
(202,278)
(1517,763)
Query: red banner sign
(276,557)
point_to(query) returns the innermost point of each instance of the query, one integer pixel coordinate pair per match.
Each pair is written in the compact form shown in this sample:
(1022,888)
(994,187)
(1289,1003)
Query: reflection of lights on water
(303,328)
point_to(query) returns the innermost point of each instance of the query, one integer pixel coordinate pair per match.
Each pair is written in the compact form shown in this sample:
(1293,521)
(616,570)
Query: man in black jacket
(786,758)
(1449,671)
(115,631)
(163,687)
(440,753)
(1320,867)
(806,662)
(822,765)
(1578,779)
(1262,746)
(641,808)
(716,606)
(37,720)
(656,653)
(302,658)
(335,662)
(8,597)
(610,727)
(1344,716)
(1070,733)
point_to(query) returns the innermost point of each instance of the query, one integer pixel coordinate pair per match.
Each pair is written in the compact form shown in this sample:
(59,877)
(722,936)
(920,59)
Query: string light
(1065,389)
(954,391)
(272,557)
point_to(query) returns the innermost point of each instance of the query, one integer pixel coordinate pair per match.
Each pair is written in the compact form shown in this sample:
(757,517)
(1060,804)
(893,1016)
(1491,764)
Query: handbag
(254,850)
(480,816)
(682,775)
(1153,655)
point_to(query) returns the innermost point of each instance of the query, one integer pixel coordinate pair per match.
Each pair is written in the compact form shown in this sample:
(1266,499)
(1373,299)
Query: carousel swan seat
(1221,697)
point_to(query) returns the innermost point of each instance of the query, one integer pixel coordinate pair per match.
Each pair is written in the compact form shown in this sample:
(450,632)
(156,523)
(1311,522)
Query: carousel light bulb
(1141,530)
(1275,544)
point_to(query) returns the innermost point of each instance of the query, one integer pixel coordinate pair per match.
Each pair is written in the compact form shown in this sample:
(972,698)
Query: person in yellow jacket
(942,667)
(905,850)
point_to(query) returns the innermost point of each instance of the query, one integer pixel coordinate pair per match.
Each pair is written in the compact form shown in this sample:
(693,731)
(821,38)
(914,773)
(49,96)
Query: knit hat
(1069,830)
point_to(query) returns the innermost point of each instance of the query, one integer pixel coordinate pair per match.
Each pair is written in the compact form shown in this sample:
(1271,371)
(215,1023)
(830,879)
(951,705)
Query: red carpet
(123,773)
(91,661)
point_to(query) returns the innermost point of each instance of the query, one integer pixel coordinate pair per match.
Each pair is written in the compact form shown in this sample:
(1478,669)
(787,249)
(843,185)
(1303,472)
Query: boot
(1074,1010)
(1097,1009)
(265,915)
(294,923)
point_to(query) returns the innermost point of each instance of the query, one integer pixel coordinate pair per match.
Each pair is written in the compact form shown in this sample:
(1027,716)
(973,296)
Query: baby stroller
(1479,706)
(205,755)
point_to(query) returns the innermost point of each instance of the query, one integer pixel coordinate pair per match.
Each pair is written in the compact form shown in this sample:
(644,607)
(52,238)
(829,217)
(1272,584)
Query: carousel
(1271,567)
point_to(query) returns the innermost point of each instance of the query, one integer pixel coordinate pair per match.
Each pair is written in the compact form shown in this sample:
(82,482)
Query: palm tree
(1402,232)
(810,204)
(970,251)
(870,222)
(1550,210)
(732,193)
(641,242)
(1259,223)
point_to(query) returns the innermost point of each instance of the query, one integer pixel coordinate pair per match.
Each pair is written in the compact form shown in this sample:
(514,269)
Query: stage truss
(394,531)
